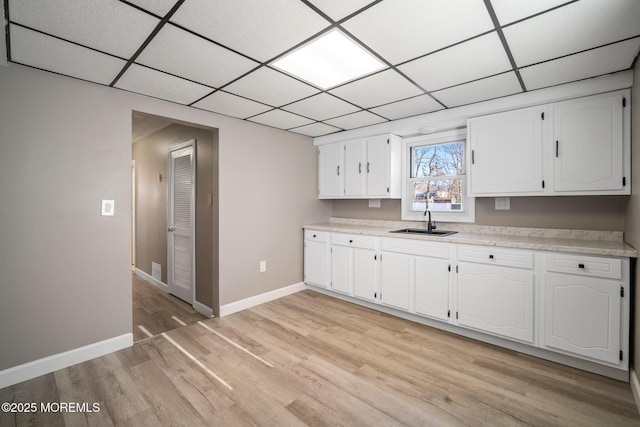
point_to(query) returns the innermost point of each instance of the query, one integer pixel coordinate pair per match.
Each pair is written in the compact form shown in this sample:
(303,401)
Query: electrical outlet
(503,203)
(263,266)
(374,203)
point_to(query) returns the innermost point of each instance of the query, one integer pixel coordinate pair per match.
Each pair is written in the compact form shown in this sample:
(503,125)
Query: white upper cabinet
(588,144)
(576,147)
(360,169)
(506,152)
(330,171)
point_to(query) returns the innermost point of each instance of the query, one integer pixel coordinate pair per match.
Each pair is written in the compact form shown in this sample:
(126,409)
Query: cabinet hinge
(543,183)
(624,181)
(542,115)
(621,292)
(621,354)
(448,313)
(624,102)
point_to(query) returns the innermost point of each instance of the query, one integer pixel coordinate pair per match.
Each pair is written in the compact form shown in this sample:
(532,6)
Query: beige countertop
(604,243)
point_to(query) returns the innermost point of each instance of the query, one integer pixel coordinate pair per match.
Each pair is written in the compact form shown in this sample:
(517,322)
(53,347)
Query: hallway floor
(155,311)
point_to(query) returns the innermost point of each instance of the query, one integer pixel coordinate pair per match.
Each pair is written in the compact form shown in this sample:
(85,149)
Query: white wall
(65,278)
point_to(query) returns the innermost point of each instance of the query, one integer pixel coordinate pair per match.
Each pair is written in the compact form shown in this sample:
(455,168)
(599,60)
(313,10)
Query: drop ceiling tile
(320,107)
(381,88)
(315,129)
(159,7)
(578,26)
(203,61)
(479,90)
(154,83)
(356,120)
(604,60)
(231,105)
(401,30)
(338,9)
(271,87)
(260,29)
(46,52)
(509,11)
(477,58)
(107,25)
(409,107)
(280,119)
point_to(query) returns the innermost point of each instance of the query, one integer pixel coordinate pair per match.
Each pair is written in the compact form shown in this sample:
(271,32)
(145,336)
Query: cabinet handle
(338,170)
(473,157)
(580,265)
(557,143)
(368,167)
(360,167)
(490,256)
(350,241)
(314,236)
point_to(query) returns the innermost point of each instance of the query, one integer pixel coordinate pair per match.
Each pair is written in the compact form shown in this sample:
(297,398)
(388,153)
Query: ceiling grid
(217,55)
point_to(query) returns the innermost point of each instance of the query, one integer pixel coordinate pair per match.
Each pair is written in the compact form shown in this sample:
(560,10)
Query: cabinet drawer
(496,256)
(354,240)
(416,247)
(319,236)
(610,268)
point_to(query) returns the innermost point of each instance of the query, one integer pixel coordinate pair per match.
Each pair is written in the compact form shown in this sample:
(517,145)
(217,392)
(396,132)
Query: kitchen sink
(424,232)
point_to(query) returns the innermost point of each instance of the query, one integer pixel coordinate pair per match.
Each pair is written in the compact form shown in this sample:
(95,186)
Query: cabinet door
(588,145)
(378,166)
(315,263)
(496,299)
(431,278)
(355,168)
(330,170)
(395,280)
(341,268)
(365,273)
(582,316)
(506,154)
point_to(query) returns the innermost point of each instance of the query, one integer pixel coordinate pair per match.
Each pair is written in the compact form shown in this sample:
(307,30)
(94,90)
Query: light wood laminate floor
(155,311)
(308,359)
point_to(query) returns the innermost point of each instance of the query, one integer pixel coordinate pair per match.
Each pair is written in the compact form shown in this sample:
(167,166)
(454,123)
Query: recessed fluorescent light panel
(329,60)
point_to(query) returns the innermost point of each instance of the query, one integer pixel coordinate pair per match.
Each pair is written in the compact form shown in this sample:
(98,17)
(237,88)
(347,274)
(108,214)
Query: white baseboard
(155,282)
(635,387)
(243,304)
(203,309)
(30,370)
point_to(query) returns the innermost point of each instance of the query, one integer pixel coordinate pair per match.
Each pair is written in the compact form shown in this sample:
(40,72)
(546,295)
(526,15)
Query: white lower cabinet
(354,265)
(317,262)
(496,299)
(431,277)
(395,271)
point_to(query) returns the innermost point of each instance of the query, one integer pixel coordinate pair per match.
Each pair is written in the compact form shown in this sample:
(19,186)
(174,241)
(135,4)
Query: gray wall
(65,275)
(605,213)
(150,154)
(632,219)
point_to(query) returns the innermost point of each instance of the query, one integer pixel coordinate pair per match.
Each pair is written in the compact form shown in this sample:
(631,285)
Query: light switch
(108,207)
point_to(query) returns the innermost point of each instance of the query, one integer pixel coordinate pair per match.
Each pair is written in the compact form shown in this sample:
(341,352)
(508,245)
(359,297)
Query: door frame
(190,143)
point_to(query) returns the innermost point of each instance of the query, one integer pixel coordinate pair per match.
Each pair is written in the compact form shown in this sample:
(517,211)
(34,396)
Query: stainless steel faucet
(430,225)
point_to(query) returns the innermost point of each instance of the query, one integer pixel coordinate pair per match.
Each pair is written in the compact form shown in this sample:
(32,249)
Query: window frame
(460,135)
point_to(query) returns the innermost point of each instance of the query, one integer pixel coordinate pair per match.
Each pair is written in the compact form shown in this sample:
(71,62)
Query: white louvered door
(180,244)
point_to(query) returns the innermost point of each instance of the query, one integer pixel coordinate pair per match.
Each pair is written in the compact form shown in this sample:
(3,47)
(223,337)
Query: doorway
(154,138)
